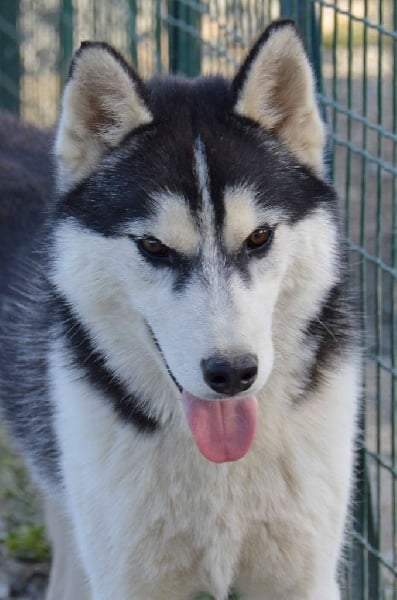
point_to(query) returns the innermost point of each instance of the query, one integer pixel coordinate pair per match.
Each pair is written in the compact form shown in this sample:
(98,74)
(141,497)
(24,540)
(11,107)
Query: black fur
(334,332)
(92,364)
(160,157)
(25,192)
(25,334)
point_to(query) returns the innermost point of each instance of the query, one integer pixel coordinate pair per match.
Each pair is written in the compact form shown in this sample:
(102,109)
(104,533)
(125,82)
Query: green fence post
(184,38)
(133,35)
(158,30)
(173,41)
(10,62)
(300,10)
(65,37)
(303,12)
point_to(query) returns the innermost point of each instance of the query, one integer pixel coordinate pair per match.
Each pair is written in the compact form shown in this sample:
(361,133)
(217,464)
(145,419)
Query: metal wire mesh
(359,62)
(353,44)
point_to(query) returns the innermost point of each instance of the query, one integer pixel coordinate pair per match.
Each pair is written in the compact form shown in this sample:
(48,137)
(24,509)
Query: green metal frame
(183,19)
(66,45)
(10,62)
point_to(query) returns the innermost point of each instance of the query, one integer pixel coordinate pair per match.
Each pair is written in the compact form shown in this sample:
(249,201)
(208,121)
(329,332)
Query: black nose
(230,376)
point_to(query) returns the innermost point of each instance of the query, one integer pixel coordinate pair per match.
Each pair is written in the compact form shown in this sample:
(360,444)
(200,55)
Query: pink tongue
(223,429)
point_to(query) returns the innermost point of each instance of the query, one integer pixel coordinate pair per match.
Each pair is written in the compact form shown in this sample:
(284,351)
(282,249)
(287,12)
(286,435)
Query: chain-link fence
(353,45)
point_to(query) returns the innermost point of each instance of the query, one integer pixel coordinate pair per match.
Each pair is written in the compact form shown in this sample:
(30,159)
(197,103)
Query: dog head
(196,211)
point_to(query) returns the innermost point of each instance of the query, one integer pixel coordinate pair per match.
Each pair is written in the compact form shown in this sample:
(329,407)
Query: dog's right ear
(275,87)
(104,99)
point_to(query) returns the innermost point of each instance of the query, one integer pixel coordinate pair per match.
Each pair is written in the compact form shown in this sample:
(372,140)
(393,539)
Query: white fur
(112,288)
(283,503)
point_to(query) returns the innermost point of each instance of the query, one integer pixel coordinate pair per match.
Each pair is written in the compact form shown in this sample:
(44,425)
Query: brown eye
(154,248)
(259,239)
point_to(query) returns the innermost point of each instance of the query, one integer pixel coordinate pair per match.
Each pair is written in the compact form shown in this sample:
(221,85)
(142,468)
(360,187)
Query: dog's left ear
(104,99)
(275,87)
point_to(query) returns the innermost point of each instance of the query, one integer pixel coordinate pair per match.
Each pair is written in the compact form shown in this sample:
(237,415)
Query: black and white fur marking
(98,338)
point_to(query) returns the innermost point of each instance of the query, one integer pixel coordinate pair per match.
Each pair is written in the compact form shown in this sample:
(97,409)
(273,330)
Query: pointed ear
(275,87)
(104,99)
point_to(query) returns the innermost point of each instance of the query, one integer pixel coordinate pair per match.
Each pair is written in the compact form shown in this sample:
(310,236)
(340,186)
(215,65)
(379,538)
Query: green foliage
(28,542)
(22,534)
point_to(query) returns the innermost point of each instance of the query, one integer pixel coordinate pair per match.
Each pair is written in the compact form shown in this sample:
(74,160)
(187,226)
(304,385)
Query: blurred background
(353,48)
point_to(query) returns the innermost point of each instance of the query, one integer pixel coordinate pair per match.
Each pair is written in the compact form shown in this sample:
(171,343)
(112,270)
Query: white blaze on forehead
(207,217)
(212,265)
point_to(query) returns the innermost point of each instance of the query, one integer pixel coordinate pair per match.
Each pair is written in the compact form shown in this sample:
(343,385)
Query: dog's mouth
(222,429)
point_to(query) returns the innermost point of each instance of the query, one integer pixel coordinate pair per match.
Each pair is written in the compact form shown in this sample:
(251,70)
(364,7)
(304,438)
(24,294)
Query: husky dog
(179,360)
